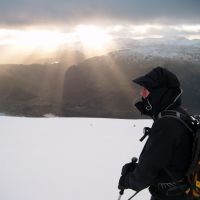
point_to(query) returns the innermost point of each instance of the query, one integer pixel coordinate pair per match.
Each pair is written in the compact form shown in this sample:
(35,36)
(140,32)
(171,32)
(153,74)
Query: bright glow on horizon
(92,40)
(93,37)
(33,38)
(89,35)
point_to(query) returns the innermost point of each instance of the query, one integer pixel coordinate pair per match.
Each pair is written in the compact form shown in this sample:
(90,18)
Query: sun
(93,37)
(89,39)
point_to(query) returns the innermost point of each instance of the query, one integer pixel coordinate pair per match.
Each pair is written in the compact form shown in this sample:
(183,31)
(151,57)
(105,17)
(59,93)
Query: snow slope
(66,158)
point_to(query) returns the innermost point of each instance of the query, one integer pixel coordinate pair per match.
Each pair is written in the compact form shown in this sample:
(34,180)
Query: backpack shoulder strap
(183,118)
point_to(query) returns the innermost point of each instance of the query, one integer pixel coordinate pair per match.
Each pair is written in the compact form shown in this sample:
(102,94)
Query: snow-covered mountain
(66,158)
(180,49)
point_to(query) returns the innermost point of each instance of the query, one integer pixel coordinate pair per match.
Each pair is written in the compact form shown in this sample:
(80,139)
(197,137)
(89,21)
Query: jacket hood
(158,78)
(164,89)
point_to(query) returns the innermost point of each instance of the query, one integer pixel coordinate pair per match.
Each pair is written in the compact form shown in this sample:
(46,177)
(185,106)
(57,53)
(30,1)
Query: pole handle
(121,192)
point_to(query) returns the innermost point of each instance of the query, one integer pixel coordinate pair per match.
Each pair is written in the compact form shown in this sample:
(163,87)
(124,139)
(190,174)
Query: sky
(50,159)
(29,12)
(27,25)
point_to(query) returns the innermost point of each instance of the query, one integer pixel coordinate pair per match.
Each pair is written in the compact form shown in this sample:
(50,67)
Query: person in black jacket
(166,155)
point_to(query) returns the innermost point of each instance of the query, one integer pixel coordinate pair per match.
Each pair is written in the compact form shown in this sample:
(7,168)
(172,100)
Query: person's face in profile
(144,92)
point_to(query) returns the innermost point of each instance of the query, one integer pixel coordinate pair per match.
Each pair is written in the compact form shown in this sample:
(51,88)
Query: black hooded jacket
(170,143)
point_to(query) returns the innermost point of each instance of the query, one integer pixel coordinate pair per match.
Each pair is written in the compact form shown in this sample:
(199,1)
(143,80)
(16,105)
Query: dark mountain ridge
(96,87)
(103,86)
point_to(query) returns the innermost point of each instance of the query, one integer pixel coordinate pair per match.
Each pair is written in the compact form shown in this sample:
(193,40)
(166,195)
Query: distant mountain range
(100,86)
(103,85)
(180,49)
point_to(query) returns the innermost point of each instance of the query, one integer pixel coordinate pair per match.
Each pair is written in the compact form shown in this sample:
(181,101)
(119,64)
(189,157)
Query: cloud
(155,31)
(68,12)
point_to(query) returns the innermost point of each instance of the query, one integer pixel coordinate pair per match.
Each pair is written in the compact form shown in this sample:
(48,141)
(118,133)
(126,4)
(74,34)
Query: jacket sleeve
(156,155)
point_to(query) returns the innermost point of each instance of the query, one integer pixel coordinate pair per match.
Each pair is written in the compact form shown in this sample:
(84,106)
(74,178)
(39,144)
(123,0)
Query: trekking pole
(133,195)
(121,192)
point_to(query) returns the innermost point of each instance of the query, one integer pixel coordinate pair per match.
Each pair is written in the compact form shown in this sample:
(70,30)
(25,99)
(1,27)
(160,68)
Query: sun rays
(27,45)
(93,37)
(91,40)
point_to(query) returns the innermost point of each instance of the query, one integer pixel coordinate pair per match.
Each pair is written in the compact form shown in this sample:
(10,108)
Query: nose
(144,92)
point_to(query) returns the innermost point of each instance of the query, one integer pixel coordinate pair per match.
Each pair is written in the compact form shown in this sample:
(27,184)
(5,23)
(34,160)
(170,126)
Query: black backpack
(192,176)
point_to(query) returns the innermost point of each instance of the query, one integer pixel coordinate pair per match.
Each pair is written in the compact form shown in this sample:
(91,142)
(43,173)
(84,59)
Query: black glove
(126,169)
(129,167)
(123,182)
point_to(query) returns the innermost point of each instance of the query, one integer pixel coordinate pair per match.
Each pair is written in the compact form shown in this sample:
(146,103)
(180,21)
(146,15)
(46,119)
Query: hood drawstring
(149,107)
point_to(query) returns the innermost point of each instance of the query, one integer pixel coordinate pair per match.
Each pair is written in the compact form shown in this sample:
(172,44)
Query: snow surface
(66,158)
